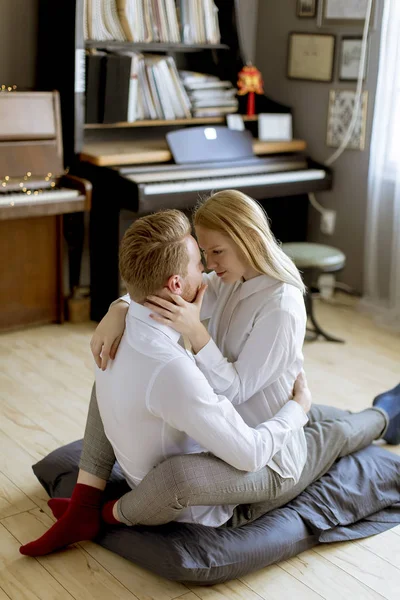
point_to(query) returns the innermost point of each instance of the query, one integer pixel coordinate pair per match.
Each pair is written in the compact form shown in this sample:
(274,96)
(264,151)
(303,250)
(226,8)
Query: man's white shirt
(156,403)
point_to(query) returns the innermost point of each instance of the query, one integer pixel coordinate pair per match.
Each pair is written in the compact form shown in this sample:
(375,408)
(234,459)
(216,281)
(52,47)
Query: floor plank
(386,545)
(3,595)
(273,583)
(23,578)
(27,434)
(54,413)
(73,568)
(16,464)
(325,578)
(231,590)
(142,583)
(363,565)
(396,530)
(62,426)
(350,375)
(12,499)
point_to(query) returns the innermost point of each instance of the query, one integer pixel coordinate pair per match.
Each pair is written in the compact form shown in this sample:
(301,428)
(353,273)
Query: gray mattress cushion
(359,496)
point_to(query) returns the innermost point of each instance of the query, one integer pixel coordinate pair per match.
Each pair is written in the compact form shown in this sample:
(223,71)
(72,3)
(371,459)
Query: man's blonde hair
(242,219)
(152,249)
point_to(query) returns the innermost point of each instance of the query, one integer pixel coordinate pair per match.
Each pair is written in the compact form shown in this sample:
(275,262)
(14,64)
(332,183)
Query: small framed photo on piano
(306,9)
(311,56)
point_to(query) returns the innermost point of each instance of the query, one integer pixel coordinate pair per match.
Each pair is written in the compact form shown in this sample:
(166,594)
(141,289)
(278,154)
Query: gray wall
(18,31)
(309,101)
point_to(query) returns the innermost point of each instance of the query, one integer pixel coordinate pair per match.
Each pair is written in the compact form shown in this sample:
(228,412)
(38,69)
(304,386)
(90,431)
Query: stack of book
(130,86)
(199,21)
(101,22)
(189,21)
(209,95)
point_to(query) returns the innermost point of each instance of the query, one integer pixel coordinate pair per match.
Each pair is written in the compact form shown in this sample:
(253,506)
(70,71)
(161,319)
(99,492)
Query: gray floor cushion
(359,496)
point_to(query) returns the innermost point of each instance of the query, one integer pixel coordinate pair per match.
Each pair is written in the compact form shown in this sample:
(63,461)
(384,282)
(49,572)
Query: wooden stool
(312,260)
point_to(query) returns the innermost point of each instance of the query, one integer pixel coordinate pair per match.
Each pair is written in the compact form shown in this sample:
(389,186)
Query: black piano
(199,166)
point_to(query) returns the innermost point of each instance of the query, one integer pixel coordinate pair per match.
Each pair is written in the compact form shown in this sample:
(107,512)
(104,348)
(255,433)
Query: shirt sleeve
(266,354)
(125,298)
(183,398)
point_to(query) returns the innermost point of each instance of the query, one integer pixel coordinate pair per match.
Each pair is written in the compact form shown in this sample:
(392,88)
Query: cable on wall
(357,104)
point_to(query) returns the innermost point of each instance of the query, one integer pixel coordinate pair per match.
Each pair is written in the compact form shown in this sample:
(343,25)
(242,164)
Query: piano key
(157,176)
(234,182)
(47,196)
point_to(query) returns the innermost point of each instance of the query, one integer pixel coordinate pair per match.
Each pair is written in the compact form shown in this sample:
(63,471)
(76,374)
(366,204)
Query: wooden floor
(45,382)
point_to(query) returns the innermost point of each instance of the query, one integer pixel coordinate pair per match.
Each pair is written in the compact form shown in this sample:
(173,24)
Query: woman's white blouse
(257,330)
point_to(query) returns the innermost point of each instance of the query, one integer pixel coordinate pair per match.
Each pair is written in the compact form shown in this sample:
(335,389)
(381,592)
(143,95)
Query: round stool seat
(315,256)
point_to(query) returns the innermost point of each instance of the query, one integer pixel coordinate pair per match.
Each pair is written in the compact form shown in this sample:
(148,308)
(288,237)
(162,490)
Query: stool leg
(317,331)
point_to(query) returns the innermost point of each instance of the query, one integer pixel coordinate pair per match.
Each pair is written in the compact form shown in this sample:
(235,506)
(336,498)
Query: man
(155,403)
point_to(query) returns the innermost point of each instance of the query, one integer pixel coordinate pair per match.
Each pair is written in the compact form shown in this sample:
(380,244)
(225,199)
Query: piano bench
(312,260)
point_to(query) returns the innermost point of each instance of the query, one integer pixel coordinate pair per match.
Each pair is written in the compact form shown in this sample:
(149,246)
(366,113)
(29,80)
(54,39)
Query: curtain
(382,243)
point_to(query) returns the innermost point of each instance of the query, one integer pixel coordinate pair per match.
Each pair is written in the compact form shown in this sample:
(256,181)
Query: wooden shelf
(124,152)
(169,122)
(153,46)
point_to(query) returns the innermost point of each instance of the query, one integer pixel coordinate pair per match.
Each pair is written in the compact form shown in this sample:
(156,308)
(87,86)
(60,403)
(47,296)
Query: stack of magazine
(209,95)
(187,21)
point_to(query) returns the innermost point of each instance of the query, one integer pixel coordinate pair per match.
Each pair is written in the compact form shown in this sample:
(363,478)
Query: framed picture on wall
(310,56)
(350,56)
(340,113)
(344,12)
(306,9)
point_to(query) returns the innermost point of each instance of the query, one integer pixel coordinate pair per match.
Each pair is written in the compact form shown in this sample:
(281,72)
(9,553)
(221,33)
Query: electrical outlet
(328,221)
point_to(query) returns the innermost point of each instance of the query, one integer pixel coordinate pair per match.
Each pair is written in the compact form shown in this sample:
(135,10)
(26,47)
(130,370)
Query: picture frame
(311,56)
(344,12)
(306,9)
(340,111)
(349,59)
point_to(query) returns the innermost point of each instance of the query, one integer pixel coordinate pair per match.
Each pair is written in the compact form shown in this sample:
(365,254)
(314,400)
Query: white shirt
(259,327)
(155,403)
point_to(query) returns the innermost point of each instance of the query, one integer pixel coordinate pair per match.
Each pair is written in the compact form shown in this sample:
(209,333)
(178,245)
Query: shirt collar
(142,313)
(261,282)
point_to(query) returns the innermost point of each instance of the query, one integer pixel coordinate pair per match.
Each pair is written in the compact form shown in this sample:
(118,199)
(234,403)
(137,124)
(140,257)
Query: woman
(252,354)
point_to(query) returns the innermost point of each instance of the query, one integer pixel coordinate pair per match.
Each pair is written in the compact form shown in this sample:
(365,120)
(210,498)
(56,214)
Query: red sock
(81,521)
(60,505)
(107,513)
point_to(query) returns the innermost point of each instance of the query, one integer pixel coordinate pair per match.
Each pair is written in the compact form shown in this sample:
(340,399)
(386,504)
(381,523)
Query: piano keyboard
(22,199)
(233,182)
(156,176)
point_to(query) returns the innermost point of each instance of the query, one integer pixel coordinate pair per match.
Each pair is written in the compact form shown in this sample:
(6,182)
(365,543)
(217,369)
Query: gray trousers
(205,480)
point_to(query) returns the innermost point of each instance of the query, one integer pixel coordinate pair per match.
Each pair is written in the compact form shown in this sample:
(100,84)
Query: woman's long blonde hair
(245,222)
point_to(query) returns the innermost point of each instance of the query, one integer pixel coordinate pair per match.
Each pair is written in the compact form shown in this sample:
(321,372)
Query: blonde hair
(245,222)
(152,249)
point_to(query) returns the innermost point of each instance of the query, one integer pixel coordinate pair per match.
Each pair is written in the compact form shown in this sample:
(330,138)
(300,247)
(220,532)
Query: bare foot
(301,392)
